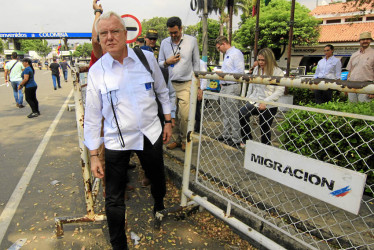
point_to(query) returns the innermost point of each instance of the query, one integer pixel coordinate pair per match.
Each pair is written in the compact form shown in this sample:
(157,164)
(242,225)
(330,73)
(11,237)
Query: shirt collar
(109,61)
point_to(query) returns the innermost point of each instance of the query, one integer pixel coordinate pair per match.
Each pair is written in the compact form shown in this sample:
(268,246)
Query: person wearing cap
(361,67)
(139,42)
(151,39)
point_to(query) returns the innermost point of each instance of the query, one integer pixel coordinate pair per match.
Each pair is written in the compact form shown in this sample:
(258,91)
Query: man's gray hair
(107,15)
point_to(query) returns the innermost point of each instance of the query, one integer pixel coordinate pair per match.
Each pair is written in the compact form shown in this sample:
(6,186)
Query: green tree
(83,50)
(274,26)
(40,46)
(213,32)
(1,46)
(157,23)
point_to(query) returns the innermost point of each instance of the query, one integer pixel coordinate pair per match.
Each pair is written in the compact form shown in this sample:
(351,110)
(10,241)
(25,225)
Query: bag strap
(143,59)
(12,67)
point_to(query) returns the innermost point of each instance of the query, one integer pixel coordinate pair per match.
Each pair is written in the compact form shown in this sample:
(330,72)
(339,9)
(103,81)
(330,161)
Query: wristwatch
(98,10)
(167,121)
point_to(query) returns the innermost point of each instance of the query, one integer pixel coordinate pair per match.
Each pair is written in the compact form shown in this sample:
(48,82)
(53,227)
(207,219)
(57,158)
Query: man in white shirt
(328,67)
(233,62)
(121,90)
(12,72)
(180,53)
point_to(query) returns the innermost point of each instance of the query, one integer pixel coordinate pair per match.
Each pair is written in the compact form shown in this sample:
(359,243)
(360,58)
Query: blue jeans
(18,95)
(66,75)
(54,78)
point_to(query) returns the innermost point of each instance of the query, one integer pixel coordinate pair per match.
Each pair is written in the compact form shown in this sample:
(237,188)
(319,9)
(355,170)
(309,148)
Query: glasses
(115,32)
(219,46)
(153,39)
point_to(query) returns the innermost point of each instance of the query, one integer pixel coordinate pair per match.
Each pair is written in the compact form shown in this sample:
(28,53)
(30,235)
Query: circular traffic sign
(133,27)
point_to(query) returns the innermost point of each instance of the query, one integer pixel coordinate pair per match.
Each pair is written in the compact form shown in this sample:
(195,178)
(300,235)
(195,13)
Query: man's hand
(172,122)
(167,132)
(173,59)
(20,87)
(262,106)
(96,6)
(199,94)
(96,167)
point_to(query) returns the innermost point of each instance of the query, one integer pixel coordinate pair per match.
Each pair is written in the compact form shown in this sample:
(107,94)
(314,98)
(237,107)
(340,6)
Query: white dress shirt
(268,93)
(233,62)
(329,68)
(131,88)
(189,60)
(203,82)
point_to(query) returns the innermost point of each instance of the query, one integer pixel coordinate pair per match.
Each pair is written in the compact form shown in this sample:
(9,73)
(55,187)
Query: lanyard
(178,46)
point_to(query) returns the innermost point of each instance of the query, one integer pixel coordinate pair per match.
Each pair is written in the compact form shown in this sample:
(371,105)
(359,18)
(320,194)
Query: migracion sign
(332,184)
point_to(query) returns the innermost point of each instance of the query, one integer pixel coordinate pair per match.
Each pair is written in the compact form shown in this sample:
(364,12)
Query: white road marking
(12,205)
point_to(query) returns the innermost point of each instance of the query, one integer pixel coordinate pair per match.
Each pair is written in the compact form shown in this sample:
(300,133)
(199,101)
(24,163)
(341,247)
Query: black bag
(144,61)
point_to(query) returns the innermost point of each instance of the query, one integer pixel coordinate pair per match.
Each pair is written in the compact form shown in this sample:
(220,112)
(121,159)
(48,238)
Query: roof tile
(340,8)
(348,32)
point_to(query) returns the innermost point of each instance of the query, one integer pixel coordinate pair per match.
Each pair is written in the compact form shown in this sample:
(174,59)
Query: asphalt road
(41,179)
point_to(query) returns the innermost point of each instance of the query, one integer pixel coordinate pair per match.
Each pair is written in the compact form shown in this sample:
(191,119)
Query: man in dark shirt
(56,70)
(64,65)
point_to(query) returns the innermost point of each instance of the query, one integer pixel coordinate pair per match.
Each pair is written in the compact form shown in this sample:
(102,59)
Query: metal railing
(342,139)
(91,185)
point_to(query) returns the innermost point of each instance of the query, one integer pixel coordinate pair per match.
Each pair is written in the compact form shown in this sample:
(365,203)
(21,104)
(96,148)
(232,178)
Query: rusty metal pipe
(305,83)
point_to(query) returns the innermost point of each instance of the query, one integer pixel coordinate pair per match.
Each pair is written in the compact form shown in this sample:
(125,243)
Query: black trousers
(322,96)
(31,99)
(116,164)
(266,119)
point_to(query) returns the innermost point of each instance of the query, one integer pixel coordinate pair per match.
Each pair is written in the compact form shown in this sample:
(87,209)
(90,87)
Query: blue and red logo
(341,192)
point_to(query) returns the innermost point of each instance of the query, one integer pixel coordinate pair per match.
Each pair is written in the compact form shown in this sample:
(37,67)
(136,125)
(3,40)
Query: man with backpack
(12,72)
(123,91)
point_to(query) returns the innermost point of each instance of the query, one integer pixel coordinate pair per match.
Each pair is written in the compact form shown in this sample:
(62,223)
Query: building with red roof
(342,24)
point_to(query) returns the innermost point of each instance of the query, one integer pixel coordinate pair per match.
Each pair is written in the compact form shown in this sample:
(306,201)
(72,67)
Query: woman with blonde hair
(266,66)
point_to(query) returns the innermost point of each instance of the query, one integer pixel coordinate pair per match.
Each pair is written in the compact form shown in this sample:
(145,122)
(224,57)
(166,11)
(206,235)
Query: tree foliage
(40,46)
(274,26)
(157,23)
(1,46)
(83,50)
(213,32)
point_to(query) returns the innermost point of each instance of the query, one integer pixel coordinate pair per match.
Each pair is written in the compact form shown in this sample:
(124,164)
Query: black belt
(227,84)
(179,81)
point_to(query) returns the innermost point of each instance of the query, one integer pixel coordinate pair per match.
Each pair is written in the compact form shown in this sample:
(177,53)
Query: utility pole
(257,32)
(205,32)
(290,36)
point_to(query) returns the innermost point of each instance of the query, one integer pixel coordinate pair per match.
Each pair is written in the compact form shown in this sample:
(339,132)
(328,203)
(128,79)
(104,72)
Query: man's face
(112,35)
(221,47)
(151,42)
(365,43)
(328,51)
(175,33)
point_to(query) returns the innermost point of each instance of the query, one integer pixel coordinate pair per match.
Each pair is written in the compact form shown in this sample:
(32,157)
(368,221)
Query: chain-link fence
(342,139)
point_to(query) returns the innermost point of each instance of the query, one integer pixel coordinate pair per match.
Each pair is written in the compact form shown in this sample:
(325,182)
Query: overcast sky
(77,15)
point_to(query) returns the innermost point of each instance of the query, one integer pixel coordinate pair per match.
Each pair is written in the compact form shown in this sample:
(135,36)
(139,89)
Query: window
(370,18)
(353,19)
(333,21)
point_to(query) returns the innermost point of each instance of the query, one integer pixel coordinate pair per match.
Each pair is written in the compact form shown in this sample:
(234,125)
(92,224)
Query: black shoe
(234,144)
(55,88)
(21,106)
(32,115)
(59,87)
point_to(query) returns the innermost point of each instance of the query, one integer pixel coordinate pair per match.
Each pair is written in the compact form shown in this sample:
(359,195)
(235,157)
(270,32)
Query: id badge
(148,86)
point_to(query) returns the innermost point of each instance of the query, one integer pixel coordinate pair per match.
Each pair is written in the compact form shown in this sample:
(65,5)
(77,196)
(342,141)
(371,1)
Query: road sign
(133,27)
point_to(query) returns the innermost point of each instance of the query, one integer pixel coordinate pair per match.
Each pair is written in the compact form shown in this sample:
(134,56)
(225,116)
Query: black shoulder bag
(144,61)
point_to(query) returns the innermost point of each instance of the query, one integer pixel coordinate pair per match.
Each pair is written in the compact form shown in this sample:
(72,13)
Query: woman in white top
(266,66)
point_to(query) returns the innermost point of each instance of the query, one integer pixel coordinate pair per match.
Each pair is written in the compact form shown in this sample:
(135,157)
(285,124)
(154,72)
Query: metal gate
(338,138)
